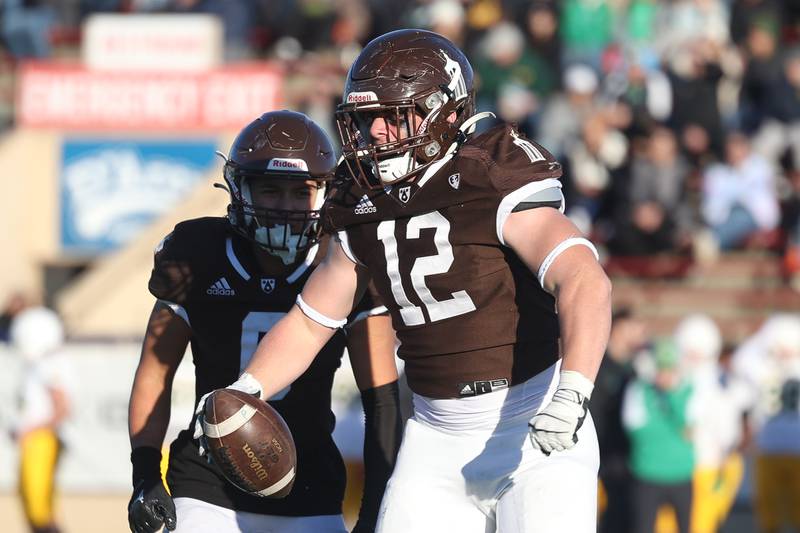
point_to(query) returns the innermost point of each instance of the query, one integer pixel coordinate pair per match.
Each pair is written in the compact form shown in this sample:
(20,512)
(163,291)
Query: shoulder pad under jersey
(510,158)
(183,254)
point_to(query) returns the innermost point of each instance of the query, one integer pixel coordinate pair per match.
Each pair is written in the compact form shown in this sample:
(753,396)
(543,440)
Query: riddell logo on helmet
(278,163)
(366,96)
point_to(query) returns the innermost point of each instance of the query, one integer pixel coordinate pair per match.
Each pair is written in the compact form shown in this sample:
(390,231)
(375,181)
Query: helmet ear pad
(441,130)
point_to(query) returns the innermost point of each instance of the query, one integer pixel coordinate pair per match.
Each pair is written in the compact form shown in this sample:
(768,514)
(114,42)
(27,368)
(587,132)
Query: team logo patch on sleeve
(454,180)
(267,285)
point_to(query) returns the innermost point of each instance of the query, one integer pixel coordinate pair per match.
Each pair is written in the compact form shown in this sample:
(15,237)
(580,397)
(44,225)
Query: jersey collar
(238,266)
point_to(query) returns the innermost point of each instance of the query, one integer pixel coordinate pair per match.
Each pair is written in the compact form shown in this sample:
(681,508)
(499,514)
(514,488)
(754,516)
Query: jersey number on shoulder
(526,146)
(254,326)
(459,304)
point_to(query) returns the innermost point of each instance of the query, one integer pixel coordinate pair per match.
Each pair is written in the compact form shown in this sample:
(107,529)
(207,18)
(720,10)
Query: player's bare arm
(581,287)
(164,345)
(552,247)
(291,345)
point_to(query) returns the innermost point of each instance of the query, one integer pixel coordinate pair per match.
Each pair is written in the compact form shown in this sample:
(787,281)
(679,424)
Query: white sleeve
(178,310)
(366,314)
(514,198)
(344,242)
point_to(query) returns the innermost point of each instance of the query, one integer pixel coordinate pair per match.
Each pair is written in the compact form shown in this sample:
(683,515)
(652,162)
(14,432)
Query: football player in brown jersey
(500,305)
(221,283)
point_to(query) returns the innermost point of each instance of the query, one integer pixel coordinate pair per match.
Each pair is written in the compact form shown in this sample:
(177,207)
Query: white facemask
(275,236)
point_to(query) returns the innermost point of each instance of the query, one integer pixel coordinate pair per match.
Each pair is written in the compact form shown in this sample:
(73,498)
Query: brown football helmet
(415,80)
(285,145)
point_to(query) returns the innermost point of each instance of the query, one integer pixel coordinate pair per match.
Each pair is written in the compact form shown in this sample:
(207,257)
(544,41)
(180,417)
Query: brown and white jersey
(470,316)
(209,276)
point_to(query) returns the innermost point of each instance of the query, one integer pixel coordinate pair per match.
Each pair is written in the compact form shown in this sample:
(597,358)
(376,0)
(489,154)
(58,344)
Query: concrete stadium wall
(28,208)
(110,299)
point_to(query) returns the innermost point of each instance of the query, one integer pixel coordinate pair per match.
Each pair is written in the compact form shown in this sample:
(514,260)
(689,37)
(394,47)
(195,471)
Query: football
(250,442)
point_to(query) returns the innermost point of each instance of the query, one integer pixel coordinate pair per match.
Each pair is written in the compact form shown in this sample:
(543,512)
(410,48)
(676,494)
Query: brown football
(250,442)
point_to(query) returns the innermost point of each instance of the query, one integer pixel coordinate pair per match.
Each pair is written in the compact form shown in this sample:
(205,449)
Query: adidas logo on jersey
(365,206)
(220,288)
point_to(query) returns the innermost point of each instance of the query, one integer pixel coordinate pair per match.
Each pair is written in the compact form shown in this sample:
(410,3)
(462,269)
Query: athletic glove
(246,383)
(151,507)
(555,427)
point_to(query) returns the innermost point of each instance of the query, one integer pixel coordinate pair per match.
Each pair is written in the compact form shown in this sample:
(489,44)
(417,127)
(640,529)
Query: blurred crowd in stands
(677,121)
(679,417)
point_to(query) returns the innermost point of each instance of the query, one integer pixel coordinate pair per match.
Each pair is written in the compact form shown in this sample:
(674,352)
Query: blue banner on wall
(110,190)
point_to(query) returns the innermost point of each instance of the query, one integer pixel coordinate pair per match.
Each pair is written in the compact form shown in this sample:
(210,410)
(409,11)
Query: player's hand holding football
(151,507)
(555,427)
(246,383)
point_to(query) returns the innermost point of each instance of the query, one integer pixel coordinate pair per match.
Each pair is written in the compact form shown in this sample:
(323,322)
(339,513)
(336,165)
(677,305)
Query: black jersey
(470,316)
(209,276)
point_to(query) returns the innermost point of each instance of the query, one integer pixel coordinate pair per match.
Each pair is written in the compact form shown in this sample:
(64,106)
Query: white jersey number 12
(412,315)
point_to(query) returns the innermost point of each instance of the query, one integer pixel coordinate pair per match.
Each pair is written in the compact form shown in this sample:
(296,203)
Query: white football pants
(196,516)
(468,466)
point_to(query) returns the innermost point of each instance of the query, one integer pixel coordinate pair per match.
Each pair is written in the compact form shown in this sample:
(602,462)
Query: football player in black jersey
(499,303)
(221,284)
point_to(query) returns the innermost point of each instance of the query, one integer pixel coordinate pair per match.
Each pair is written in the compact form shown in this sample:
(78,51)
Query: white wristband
(575,381)
(563,245)
(318,317)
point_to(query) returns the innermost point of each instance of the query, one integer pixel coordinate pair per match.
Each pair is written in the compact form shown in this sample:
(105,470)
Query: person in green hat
(657,416)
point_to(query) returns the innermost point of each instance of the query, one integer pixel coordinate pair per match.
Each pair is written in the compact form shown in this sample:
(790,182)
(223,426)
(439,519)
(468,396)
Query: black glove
(151,507)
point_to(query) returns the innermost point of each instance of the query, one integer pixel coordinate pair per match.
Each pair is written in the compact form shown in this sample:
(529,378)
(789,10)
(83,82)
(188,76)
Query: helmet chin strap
(247,199)
(468,128)
(281,233)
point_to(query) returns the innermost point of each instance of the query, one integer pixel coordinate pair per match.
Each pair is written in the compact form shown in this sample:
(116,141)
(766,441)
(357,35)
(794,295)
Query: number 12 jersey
(470,316)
